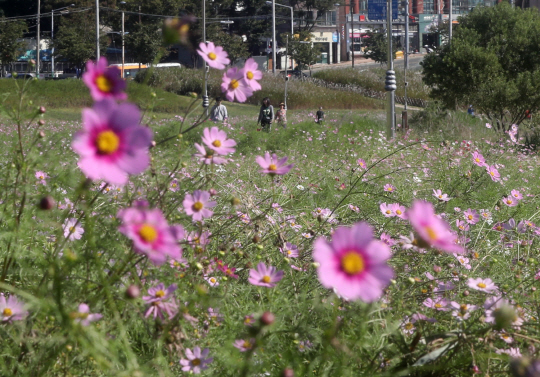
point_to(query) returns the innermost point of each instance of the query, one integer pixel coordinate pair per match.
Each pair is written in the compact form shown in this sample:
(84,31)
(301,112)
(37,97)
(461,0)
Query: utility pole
(52,40)
(37,37)
(390,82)
(205,102)
(450,22)
(123,46)
(352,31)
(274,37)
(97,30)
(286,77)
(404,116)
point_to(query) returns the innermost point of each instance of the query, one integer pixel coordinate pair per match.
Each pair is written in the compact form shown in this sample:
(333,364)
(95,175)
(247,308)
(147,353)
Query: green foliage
(376,47)
(11,45)
(144,42)
(233,44)
(493,63)
(75,40)
(301,49)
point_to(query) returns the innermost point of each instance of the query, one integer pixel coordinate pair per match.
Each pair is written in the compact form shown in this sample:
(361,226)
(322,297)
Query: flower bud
(41,122)
(504,317)
(46,203)
(133,292)
(256,239)
(235,201)
(267,319)
(41,134)
(288,372)
(41,110)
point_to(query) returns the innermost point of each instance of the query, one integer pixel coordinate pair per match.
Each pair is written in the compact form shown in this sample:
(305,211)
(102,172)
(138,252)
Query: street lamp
(274,33)
(123,32)
(292,14)
(53,68)
(97,30)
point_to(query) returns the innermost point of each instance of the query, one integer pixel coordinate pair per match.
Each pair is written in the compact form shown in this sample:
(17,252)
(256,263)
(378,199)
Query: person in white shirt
(218,112)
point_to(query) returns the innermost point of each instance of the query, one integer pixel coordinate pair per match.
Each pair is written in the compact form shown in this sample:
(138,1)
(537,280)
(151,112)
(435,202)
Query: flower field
(131,246)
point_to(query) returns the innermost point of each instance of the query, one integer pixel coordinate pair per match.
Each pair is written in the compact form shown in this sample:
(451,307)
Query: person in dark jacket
(266,115)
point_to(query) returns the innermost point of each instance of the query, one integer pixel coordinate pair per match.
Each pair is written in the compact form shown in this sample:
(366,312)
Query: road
(363,63)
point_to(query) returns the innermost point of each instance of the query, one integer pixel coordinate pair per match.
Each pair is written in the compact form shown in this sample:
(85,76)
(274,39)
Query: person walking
(281,115)
(320,115)
(218,112)
(266,115)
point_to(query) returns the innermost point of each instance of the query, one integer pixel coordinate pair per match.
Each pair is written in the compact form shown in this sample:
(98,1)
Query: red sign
(362,17)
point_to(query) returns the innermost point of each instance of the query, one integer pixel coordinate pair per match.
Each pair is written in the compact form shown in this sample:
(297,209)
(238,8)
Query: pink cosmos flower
(84,317)
(234,85)
(251,74)
(399,210)
(11,309)
(196,361)
(433,230)
(244,345)
(389,188)
(265,276)
(212,281)
(462,311)
(208,157)
(112,144)
(471,216)
(361,163)
(493,173)
(272,166)
(478,159)
(353,263)
(488,125)
(463,261)
(437,304)
(160,301)
(104,82)
(41,176)
(216,140)
(290,250)
(213,55)
(461,225)
(516,194)
(150,233)
(483,285)
(387,239)
(440,196)
(386,210)
(197,205)
(73,229)
(510,201)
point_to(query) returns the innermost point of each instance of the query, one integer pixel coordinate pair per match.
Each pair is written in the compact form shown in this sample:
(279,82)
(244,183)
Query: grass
(315,331)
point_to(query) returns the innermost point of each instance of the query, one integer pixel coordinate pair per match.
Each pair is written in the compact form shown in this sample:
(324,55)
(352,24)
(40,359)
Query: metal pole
(286,77)
(97,30)
(123,50)
(205,97)
(274,37)
(352,32)
(52,41)
(404,118)
(450,20)
(292,36)
(390,86)
(37,37)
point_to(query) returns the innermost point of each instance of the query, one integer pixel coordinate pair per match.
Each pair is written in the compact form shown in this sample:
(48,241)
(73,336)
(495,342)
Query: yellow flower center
(266,279)
(470,217)
(289,252)
(509,201)
(216,143)
(399,212)
(148,233)
(197,206)
(431,233)
(409,326)
(477,159)
(440,196)
(41,177)
(160,293)
(246,344)
(272,167)
(249,75)
(352,263)
(104,84)
(212,280)
(481,285)
(196,362)
(212,56)
(234,84)
(388,212)
(83,315)
(437,305)
(107,142)
(174,185)
(492,173)
(7,312)
(390,188)
(71,229)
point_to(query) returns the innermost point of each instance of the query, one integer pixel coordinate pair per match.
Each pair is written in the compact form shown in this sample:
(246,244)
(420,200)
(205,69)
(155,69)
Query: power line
(35,16)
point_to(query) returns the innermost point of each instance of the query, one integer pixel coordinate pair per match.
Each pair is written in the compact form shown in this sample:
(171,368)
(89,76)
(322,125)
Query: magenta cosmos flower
(272,166)
(440,196)
(208,156)
(104,82)
(493,173)
(265,276)
(471,216)
(11,309)
(433,230)
(353,263)
(386,210)
(84,317)
(362,163)
(516,194)
(234,85)
(484,285)
(399,210)
(161,301)
(196,361)
(213,55)
(244,345)
(197,205)
(251,74)
(150,233)
(478,159)
(389,187)
(510,201)
(72,229)
(112,143)
(216,140)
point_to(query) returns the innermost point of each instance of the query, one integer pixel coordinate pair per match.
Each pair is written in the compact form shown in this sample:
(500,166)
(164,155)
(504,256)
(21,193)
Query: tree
(145,43)
(233,44)
(301,49)
(75,40)
(376,47)
(11,44)
(492,62)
